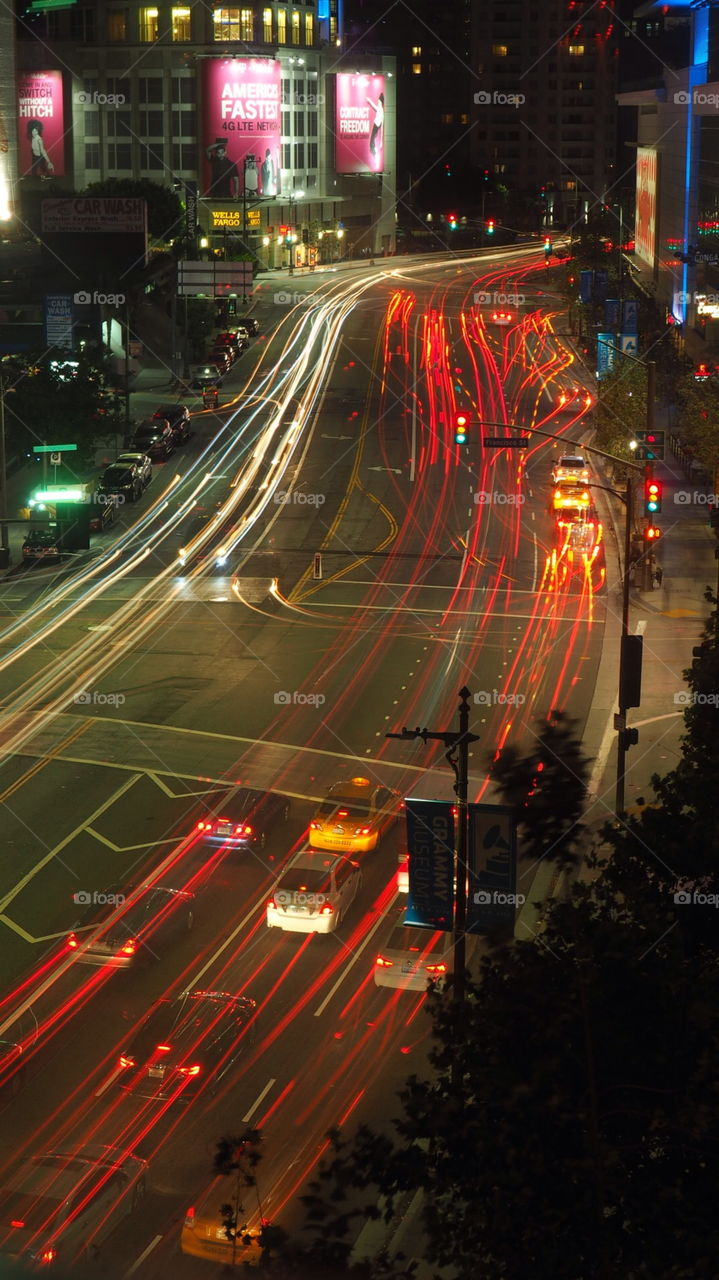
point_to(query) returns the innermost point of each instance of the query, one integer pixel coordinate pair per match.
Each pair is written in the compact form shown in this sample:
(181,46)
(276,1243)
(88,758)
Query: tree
(700,420)
(165,217)
(621,408)
(547,786)
(240,1156)
(79,411)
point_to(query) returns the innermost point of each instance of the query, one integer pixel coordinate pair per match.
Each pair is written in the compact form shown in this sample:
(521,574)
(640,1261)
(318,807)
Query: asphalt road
(132,689)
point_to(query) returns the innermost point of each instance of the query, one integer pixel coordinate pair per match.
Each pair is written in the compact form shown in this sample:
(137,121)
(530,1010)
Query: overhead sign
(221,218)
(645,235)
(95,214)
(54,448)
(506,442)
(611,313)
(586,286)
(359,123)
(629,344)
(630,315)
(606,354)
(216,278)
(241,112)
(41,126)
(492,899)
(58,320)
(430,844)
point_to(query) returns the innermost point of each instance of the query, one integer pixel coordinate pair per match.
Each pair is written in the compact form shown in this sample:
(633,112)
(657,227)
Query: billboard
(645,236)
(92,215)
(41,127)
(241,132)
(359,123)
(430,844)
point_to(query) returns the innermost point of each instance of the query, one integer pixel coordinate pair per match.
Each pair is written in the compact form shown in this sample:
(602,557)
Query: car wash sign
(430,844)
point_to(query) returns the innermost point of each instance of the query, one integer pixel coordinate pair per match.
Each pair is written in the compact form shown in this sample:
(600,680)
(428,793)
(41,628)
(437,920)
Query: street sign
(606,354)
(506,442)
(630,315)
(54,448)
(55,459)
(628,344)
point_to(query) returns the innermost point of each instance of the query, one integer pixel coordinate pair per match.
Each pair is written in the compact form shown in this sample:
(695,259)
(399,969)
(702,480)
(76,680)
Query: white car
(571,468)
(412,957)
(313,894)
(141,463)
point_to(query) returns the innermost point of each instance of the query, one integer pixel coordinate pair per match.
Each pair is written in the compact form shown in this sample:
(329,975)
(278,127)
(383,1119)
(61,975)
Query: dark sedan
(122,937)
(155,438)
(40,545)
(120,481)
(186,1042)
(243,818)
(178,416)
(250,324)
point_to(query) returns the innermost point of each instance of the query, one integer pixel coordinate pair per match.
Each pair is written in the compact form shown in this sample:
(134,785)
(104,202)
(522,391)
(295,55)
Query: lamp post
(293,197)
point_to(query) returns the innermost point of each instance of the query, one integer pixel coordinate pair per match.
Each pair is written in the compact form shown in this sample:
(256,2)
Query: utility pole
(622,734)
(457,755)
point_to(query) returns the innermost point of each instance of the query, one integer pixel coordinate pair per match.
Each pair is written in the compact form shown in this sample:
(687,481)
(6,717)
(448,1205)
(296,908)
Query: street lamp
(293,197)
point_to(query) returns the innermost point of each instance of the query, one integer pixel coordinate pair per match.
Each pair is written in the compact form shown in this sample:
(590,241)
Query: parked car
(61,1204)
(250,324)
(221,359)
(239,339)
(141,462)
(154,437)
(41,545)
(120,480)
(121,937)
(184,1042)
(243,818)
(178,416)
(204,375)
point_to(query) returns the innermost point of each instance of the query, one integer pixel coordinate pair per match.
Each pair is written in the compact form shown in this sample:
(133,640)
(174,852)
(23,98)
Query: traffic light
(460,428)
(652,497)
(650,445)
(651,533)
(547,245)
(490,226)
(452,220)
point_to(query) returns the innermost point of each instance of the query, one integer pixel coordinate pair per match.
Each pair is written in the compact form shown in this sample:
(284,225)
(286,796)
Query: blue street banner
(58,320)
(492,899)
(630,316)
(629,344)
(611,313)
(586,286)
(430,844)
(606,354)
(601,284)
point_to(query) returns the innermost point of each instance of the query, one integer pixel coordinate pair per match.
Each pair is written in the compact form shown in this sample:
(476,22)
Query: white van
(313,893)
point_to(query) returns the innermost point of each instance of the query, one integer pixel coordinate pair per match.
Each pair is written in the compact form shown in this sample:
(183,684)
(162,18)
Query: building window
(309,29)
(92,155)
(311,155)
(183,156)
(333,30)
(119,156)
(576,50)
(183,90)
(286,123)
(91,121)
(247,25)
(299,124)
(299,155)
(152,124)
(282,26)
(116,30)
(150,89)
(286,155)
(267,26)
(416,68)
(286,91)
(181,24)
(312,124)
(152,156)
(295,27)
(183,124)
(416,51)
(226,23)
(500,50)
(149,24)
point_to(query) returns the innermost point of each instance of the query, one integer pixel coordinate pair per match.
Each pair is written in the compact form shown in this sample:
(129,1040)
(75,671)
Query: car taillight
(381,963)
(436,968)
(17,1223)
(129,948)
(126,1060)
(271,904)
(243,831)
(164,1048)
(48,1255)
(189,1071)
(362,831)
(190,1217)
(315,826)
(72,941)
(204,826)
(343,813)
(326,909)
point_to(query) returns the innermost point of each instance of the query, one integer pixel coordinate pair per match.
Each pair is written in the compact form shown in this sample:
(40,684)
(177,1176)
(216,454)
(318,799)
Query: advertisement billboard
(241,133)
(91,215)
(359,123)
(646,218)
(41,126)
(430,844)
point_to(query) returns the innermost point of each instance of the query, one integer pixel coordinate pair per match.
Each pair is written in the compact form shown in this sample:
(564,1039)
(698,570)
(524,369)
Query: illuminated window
(116,29)
(295,27)
(267,26)
(333,30)
(309,30)
(576,50)
(500,50)
(416,51)
(149,24)
(282,26)
(227,24)
(247,25)
(416,68)
(181,24)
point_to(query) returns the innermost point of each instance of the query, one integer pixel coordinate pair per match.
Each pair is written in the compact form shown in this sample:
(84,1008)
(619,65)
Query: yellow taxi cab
(204,1234)
(571,497)
(354,816)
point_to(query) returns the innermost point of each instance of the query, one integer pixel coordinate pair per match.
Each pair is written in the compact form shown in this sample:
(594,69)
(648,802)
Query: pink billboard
(41,126)
(241,113)
(359,124)
(645,235)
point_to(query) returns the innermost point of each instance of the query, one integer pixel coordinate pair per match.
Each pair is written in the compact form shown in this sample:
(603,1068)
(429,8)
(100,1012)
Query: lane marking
(145,1253)
(113,1076)
(246,1118)
(382,919)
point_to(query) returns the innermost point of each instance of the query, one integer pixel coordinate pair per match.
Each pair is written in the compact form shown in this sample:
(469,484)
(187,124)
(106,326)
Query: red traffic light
(461,420)
(651,533)
(652,496)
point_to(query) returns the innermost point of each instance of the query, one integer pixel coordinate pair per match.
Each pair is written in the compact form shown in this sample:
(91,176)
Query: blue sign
(629,344)
(611,313)
(606,354)
(586,286)
(601,284)
(492,899)
(58,320)
(630,316)
(430,844)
